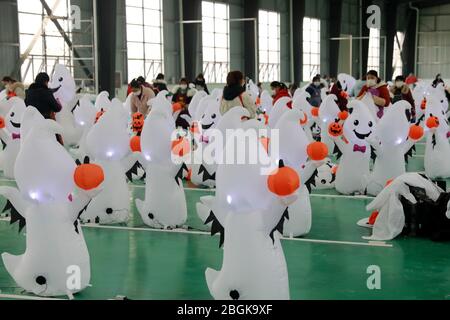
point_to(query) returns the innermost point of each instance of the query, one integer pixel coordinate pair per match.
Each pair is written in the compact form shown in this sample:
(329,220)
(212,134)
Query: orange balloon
(177,107)
(416,132)
(2,123)
(135,144)
(343,115)
(181,147)
(315,112)
(317,151)
(432,122)
(284,182)
(88,176)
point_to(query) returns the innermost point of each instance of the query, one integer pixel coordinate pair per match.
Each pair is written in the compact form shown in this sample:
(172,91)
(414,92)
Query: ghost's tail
(11,263)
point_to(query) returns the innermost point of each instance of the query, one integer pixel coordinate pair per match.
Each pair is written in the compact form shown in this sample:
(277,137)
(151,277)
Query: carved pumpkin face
(335,129)
(138,122)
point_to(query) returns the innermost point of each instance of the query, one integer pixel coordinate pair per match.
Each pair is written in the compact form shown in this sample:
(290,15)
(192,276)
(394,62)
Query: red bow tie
(15,136)
(357,148)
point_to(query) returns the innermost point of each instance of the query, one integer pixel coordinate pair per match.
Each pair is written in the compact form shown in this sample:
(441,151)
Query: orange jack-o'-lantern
(283,182)
(2,123)
(416,132)
(317,151)
(99,115)
(138,122)
(432,122)
(181,147)
(88,176)
(335,129)
(135,144)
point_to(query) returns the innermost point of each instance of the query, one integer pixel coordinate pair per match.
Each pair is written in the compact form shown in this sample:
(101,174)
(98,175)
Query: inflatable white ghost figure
(102,102)
(280,107)
(253,91)
(85,115)
(64,84)
(347,82)
(266,102)
(437,150)
(203,172)
(328,113)
(390,142)
(165,202)
(11,137)
(108,143)
(45,202)
(301,102)
(391,221)
(248,215)
(5,106)
(293,144)
(372,107)
(356,151)
(326,176)
(3,95)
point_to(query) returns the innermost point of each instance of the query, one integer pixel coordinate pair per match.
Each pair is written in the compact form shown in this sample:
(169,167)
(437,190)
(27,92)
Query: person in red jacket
(401,91)
(280,90)
(378,89)
(341,95)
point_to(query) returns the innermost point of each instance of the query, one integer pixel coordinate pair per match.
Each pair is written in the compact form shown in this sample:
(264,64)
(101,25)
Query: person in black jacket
(200,83)
(40,96)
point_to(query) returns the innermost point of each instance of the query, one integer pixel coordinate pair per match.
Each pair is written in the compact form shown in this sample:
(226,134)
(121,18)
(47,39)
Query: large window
(311,48)
(41,43)
(144,38)
(373,62)
(397,62)
(216,41)
(269,46)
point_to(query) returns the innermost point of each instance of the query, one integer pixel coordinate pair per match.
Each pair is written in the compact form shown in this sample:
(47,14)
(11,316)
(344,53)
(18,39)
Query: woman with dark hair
(13,88)
(200,83)
(378,89)
(235,95)
(315,91)
(160,84)
(141,96)
(279,90)
(401,91)
(40,96)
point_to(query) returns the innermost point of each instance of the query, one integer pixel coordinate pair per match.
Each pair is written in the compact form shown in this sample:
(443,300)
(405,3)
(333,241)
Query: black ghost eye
(214,116)
(356,123)
(442,101)
(12,115)
(203,117)
(61,79)
(370,124)
(323,181)
(151,216)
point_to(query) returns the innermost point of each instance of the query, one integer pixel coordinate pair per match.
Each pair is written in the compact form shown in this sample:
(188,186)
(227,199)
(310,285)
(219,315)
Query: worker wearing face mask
(401,91)
(379,91)
(279,90)
(182,93)
(315,91)
(140,98)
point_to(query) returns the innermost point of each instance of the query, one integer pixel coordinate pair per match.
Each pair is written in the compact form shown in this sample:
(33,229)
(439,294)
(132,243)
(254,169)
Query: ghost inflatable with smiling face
(45,203)
(108,142)
(165,203)
(248,213)
(390,142)
(203,172)
(11,136)
(65,92)
(354,164)
(437,150)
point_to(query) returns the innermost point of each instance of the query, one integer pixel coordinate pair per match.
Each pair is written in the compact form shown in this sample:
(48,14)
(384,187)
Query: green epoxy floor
(146,264)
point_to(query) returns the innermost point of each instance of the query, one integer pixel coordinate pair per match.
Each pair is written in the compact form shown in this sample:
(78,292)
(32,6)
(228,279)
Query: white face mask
(274,93)
(317,84)
(137,94)
(371,83)
(183,87)
(399,84)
